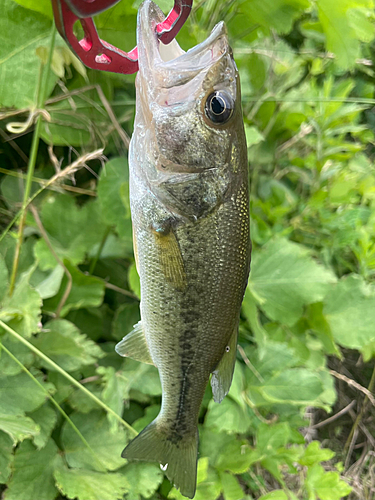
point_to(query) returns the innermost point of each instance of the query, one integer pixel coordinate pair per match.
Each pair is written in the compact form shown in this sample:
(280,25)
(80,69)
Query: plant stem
(42,86)
(97,256)
(67,376)
(56,404)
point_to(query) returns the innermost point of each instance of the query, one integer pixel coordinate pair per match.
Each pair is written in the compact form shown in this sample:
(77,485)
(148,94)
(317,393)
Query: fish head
(189,115)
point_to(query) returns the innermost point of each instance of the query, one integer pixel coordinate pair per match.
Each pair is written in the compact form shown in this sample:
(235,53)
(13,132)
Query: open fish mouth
(169,65)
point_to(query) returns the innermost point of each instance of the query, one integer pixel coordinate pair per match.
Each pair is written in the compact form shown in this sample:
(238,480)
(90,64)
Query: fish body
(190,213)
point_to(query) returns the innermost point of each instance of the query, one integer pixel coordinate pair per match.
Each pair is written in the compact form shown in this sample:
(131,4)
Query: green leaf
(42,6)
(134,281)
(18,427)
(19,64)
(87,291)
(325,485)
(236,456)
(295,386)
(113,194)
(253,136)
(33,473)
(115,387)
(47,284)
(126,316)
(277,14)
(230,488)
(6,456)
(72,231)
(61,341)
(96,430)
(341,32)
(350,312)
(227,417)
(143,479)
(22,311)
(7,365)
(90,485)
(284,278)
(20,393)
(315,454)
(3,278)
(271,437)
(46,418)
(275,495)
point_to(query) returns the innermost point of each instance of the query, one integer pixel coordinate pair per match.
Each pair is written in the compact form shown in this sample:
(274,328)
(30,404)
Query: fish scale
(190,211)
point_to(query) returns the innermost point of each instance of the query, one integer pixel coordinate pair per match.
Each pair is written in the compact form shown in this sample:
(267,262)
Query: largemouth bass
(190,213)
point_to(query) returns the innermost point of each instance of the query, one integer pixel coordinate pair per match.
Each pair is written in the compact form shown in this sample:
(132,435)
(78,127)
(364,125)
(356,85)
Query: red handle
(98,54)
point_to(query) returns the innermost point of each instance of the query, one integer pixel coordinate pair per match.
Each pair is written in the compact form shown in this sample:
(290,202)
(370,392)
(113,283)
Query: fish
(189,199)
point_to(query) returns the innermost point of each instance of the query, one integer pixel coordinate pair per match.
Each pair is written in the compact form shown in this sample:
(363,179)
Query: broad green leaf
(230,488)
(275,495)
(126,316)
(42,6)
(284,278)
(22,311)
(72,231)
(33,473)
(90,485)
(18,427)
(342,30)
(19,64)
(350,312)
(20,393)
(3,278)
(227,417)
(6,457)
(277,14)
(114,391)
(20,351)
(236,456)
(134,281)
(271,437)
(113,194)
(61,341)
(325,485)
(253,136)
(106,444)
(46,418)
(143,479)
(295,386)
(315,454)
(83,403)
(48,284)
(86,291)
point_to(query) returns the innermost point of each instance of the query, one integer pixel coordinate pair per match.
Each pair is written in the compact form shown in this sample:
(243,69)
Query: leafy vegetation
(298,421)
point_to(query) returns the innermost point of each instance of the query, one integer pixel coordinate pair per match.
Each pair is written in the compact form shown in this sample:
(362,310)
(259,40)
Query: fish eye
(219,107)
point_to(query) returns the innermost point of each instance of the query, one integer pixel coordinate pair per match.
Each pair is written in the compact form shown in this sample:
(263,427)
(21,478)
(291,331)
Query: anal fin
(221,379)
(134,345)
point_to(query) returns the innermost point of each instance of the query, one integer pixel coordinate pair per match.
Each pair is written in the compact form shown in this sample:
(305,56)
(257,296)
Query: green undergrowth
(297,422)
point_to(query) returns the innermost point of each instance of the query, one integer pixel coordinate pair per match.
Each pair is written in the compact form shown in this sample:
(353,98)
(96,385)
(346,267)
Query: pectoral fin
(134,346)
(222,376)
(170,258)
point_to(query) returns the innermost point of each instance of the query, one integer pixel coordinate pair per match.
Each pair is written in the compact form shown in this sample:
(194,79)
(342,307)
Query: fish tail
(177,457)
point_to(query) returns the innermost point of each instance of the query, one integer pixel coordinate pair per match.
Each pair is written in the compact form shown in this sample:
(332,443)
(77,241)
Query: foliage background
(307,337)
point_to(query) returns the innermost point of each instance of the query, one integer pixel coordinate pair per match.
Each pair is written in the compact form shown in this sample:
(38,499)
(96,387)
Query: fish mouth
(169,65)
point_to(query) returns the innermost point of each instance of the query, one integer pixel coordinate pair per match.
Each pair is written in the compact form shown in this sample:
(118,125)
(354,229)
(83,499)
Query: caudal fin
(178,460)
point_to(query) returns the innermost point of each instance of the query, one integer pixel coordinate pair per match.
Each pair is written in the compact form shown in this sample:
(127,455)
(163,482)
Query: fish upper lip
(148,16)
